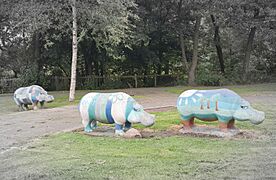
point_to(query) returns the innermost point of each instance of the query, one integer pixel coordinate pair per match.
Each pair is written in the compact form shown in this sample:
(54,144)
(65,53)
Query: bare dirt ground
(19,128)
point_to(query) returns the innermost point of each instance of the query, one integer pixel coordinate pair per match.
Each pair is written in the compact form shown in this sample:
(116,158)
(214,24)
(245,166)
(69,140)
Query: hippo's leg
(127,126)
(88,127)
(20,107)
(187,121)
(119,129)
(231,124)
(223,122)
(26,107)
(42,104)
(35,106)
(222,125)
(93,124)
(19,104)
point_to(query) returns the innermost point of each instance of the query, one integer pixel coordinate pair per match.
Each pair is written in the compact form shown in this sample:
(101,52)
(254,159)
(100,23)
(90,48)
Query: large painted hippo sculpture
(31,95)
(223,105)
(109,108)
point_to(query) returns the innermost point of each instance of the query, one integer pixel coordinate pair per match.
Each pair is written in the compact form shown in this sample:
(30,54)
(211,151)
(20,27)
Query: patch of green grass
(7,104)
(241,89)
(75,156)
(62,98)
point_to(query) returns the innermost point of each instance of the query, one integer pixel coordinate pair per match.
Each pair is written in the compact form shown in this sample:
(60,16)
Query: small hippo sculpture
(109,108)
(31,95)
(223,105)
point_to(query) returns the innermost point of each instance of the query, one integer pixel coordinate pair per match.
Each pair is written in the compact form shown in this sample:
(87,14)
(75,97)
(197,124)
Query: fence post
(136,82)
(155,81)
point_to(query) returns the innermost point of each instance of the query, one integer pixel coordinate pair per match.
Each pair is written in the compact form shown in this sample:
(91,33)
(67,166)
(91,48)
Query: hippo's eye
(244,107)
(137,107)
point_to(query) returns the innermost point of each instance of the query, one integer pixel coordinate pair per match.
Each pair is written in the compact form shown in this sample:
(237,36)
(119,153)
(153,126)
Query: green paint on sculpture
(221,104)
(91,109)
(118,108)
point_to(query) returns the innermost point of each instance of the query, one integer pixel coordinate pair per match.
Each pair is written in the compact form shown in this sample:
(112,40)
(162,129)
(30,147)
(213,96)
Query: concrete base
(209,131)
(108,131)
(104,131)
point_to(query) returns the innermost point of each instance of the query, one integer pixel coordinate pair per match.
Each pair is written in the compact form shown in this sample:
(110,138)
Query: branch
(82,34)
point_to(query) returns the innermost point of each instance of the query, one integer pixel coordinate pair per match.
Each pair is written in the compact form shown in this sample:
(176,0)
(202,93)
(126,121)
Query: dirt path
(19,128)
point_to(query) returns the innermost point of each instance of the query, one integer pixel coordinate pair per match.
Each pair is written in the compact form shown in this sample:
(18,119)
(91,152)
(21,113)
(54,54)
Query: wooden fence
(96,82)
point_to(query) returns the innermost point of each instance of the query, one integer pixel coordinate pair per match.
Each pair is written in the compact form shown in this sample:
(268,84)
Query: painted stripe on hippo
(129,106)
(118,110)
(104,99)
(91,107)
(108,111)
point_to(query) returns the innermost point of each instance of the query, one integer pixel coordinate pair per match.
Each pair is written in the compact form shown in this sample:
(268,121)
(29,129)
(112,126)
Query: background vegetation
(207,42)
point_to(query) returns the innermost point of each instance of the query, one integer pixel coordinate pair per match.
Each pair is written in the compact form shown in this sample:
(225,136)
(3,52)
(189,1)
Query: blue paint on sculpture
(223,105)
(109,108)
(31,95)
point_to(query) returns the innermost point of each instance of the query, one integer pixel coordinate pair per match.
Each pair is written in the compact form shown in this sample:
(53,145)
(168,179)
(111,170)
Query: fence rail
(56,83)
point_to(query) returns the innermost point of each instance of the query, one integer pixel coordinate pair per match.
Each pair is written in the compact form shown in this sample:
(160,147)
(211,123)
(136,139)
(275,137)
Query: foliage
(140,37)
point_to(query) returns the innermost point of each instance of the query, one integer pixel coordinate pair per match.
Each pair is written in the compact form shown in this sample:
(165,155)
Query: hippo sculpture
(109,108)
(31,95)
(223,105)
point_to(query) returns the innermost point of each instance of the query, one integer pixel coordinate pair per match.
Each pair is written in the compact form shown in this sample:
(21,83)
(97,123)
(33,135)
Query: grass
(75,156)
(241,89)
(61,98)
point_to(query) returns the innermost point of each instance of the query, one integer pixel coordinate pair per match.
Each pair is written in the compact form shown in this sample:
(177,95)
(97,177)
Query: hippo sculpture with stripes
(223,105)
(110,108)
(31,95)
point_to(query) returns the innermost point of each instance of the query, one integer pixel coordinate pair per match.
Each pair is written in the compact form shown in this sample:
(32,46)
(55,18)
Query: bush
(211,79)
(208,76)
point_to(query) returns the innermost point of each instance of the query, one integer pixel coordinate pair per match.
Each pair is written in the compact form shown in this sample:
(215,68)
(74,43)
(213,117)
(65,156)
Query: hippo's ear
(137,107)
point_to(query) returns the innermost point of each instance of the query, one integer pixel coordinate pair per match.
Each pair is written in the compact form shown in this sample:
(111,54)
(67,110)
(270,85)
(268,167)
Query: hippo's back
(197,101)
(106,107)
(22,96)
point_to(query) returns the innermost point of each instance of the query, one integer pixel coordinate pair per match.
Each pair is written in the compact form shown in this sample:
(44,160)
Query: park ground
(40,144)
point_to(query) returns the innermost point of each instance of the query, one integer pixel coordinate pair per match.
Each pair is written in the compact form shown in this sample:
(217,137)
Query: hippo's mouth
(258,118)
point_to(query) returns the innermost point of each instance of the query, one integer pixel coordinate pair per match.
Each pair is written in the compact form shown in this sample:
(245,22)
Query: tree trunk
(191,77)
(218,44)
(248,50)
(74,53)
(183,53)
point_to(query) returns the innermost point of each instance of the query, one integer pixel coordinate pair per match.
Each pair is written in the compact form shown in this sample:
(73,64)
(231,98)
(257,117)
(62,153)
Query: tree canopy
(207,42)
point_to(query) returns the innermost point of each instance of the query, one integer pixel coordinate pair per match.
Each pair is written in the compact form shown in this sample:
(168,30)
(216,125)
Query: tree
(218,44)
(191,77)
(120,37)
(74,52)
